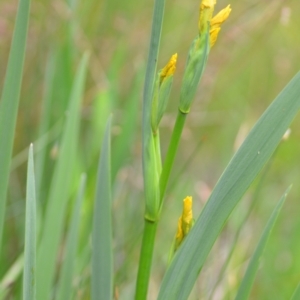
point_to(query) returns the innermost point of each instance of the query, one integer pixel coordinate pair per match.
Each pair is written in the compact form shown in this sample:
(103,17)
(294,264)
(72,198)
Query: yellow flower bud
(169,69)
(206,11)
(220,17)
(216,22)
(179,234)
(185,222)
(213,35)
(161,92)
(187,215)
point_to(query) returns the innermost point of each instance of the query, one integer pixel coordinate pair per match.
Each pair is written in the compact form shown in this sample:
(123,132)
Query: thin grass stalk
(10,101)
(145,262)
(171,153)
(149,234)
(29,277)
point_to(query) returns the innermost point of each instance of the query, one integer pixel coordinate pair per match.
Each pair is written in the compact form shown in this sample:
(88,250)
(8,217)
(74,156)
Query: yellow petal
(215,24)
(220,17)
(213,35)
(179,234)
(207,4)
(170,68)
(187,215)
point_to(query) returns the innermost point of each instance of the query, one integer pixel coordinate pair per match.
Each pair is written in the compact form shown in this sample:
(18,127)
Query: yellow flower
(220,17)
(216,22)
(169,69)
(206,12)
(185,222)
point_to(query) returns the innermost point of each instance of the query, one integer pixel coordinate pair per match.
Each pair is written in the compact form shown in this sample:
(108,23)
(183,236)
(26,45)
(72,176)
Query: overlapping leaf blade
(239,174)
(10,101)
(65,285)
(247,282)
(29,276)
(60,188)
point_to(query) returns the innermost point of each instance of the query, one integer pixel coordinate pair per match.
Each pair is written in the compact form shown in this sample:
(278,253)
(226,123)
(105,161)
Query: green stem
(145,260)
(172,150)
(157,152)
(148,157)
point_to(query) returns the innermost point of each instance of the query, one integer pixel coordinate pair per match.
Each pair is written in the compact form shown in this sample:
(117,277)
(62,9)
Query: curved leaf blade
(239,174)
(247,282)
(60,188)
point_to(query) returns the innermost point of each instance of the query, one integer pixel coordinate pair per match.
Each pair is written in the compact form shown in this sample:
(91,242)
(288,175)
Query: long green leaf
(45,121)
(296,294)
(102,252)
(65,285)
(239,174)
(10,101)
(60,189)
(29,277)
(247,282)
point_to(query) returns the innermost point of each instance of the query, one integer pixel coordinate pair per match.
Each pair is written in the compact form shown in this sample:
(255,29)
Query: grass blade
(60,189)
(11,275)
(296,295)
(239,174)
(65,284)
(44,121)
(247,282)
(10,101)
(102,252)
(255,198)
(29,277)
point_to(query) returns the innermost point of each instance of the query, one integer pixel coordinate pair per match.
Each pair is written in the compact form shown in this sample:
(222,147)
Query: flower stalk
(156,93)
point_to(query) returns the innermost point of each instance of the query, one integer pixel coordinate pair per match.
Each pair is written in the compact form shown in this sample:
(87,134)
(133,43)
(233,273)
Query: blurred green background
(257,53)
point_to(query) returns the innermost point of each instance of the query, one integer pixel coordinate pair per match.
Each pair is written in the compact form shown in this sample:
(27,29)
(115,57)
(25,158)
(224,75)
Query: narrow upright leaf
(10,101)
(60,189)
(44,121)
(29,276)
(239,174)
(65,284)
(102,252)
(247,282)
